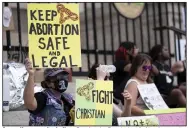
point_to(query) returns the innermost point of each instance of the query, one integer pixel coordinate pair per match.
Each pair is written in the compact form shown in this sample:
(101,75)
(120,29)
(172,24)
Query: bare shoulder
(132,85)
(132,88)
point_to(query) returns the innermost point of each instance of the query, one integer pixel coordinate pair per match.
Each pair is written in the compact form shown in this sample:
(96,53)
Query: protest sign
(138,121)
(165,111)
(54,35)
(169,117)
(172,119)
(152,97)
(94,101)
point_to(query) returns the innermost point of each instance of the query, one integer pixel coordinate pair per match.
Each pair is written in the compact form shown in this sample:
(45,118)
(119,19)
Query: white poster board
(152,97)
(138,121)
(183,17)
(182,49)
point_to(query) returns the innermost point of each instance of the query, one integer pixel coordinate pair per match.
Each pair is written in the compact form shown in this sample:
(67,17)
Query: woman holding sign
(98,72)
(140,74)
(50,107)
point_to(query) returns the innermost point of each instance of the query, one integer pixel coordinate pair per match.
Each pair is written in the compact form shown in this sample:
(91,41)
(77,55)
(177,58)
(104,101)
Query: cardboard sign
(54,35)
(165,111)
(172,119)
(169,117)
(180,53)
(138,121)
(94,101)
(152,97)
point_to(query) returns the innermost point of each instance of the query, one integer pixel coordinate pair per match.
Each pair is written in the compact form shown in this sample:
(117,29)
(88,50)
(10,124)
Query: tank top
(164,80)
(139,102)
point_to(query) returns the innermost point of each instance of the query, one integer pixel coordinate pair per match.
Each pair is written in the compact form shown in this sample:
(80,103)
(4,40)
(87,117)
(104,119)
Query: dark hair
(155,51)
(121,52)
(137,62)
(93,73)
(128,45)
(45,82)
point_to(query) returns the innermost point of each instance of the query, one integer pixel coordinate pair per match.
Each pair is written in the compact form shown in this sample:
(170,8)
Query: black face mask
(60,82)
(61,85)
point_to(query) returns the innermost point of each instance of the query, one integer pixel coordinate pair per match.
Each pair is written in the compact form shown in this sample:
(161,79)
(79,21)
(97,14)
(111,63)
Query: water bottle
(6,90)
(109,68)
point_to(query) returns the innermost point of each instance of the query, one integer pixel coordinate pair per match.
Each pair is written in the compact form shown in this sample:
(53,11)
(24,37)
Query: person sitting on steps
(163,79)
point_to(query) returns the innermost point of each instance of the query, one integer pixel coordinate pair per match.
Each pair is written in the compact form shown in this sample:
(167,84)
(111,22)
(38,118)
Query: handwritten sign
(152,97)
(169,117)
(172,119)
(94,101)
(138,121)
(54,35)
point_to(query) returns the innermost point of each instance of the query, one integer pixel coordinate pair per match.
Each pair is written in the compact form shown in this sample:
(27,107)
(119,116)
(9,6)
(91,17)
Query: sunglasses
(145,68)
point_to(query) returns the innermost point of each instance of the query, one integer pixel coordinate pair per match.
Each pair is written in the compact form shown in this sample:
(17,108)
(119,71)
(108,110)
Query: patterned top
(53,113)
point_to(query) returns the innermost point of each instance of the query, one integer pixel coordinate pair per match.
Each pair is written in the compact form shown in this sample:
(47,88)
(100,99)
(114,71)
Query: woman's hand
(127,96)
(29,67)
(101,73)
(127,104)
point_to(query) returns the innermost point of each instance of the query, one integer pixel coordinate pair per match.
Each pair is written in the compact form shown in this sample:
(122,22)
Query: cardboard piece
(165,111)
(138,121)
(169,117)
(94,102)
(176,119)
(152,97)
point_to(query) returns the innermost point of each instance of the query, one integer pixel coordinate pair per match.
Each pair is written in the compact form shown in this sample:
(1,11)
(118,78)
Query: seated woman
(163,79)
(123,59)
(179,68)
(97,74)
(140,74)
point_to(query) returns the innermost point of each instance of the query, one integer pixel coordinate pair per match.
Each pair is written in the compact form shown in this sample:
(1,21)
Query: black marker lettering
(32,14)
(33,60)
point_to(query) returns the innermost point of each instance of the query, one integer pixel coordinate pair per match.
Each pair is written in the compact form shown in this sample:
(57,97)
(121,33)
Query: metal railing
(146,31)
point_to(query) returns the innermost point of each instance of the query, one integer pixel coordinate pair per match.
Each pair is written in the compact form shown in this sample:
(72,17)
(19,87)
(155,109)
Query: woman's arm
(154,70)
(127,67)
(29,99)
(177,67)
(135,110)
(127,107)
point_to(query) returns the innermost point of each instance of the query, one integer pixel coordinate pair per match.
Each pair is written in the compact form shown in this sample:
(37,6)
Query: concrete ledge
(20,116)
(15,118)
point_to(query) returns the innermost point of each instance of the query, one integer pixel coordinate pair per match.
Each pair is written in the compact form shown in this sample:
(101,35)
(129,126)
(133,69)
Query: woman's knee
(182,88)
(176,92)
